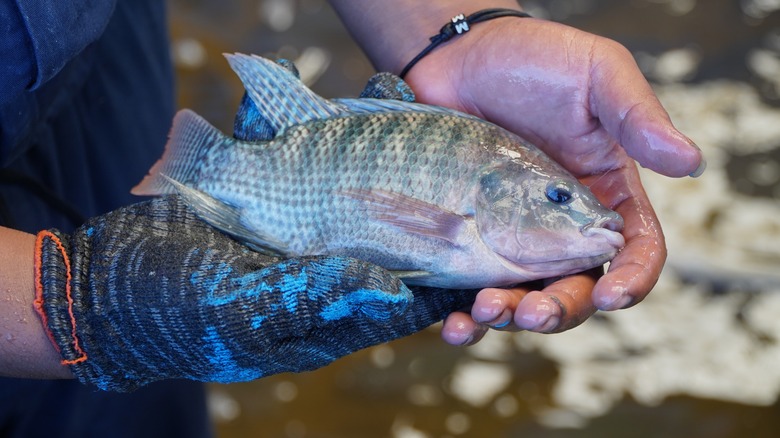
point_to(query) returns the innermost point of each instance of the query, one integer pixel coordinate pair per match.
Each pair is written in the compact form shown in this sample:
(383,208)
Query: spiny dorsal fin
(282,99)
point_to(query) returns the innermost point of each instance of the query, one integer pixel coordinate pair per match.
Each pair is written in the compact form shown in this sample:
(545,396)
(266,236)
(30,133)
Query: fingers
(562,305)
(635,270)
(495,307)
(559,306)
(460,329)
(629,110)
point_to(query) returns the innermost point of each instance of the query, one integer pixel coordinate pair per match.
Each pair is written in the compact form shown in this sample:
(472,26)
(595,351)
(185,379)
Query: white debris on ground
(478,383)
(710,229)
(684,339)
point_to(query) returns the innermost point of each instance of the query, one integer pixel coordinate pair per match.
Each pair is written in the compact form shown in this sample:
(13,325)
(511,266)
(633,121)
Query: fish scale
(440,197)
(313,165)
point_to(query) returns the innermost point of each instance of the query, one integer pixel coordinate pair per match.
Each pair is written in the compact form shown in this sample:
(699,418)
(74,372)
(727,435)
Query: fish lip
(613,238)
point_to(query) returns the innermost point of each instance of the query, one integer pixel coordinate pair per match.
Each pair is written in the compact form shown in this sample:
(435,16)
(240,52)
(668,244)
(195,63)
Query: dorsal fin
(249,124)
(367,106)
(282,99)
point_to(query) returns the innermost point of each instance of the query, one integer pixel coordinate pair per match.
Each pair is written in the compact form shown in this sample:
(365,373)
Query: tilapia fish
(442,198)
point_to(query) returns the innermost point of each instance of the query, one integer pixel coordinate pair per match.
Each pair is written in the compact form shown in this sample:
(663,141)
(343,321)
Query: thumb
(629,110)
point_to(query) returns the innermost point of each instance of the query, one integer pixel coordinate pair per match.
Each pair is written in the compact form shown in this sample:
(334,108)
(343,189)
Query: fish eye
(559,192)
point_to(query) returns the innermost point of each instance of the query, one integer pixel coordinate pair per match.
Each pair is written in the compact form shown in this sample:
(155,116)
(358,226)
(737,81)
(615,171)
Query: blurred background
(699,358)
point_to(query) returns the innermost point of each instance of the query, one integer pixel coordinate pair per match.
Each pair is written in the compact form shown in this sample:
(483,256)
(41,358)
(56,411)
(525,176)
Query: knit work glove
(150,292)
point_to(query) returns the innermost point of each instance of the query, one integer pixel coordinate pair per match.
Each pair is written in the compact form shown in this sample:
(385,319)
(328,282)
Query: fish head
(544,223)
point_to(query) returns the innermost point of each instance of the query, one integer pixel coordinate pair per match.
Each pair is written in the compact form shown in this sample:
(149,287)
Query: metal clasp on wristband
(459,25)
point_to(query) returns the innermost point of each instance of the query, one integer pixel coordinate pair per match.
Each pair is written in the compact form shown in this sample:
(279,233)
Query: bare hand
(583,100)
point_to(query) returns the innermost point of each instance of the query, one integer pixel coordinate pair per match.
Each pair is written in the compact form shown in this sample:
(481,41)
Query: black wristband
(459,25)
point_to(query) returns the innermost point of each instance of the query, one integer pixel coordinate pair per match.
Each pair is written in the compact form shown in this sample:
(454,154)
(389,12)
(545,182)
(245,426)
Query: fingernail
(462,338)
(702,164)
(467,341)
(475,336)
(550,325)
(487,314)
(699,170)
(542,323)
(502,321)
(500,324)
(618,302)
(545,319)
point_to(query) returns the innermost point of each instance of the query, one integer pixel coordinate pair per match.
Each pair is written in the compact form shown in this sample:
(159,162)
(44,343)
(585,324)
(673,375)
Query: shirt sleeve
(16,70)
(40,37)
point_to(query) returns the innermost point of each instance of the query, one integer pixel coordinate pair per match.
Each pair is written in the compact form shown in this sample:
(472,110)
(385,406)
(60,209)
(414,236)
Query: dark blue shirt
(85,105)
(91,116)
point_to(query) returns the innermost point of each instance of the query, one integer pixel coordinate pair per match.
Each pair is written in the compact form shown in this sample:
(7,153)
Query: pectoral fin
(409,214)
(227,219)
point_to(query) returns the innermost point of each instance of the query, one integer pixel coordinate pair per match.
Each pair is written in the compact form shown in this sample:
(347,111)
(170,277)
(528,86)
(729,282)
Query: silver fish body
(446,198)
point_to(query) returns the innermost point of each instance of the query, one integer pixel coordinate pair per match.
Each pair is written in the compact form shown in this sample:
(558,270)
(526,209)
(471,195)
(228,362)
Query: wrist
(451,73)
(58,299)
(54,296)
(393,33)
(26,351)
(459,25)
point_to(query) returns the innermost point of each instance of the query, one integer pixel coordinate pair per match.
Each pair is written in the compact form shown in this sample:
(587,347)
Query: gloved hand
(150,292)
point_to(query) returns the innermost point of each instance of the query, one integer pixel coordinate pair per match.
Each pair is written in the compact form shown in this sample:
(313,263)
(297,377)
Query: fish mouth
(605,242)
(607,229)
(612,238)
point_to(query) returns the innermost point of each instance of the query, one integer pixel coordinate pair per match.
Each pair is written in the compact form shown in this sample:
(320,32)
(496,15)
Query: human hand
(582,99)
(150,292)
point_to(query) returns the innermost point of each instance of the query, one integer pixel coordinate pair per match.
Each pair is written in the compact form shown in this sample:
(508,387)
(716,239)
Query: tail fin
(191,137)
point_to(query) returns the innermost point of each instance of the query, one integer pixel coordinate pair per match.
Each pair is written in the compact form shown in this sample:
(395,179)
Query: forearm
(25,350)
(393,32)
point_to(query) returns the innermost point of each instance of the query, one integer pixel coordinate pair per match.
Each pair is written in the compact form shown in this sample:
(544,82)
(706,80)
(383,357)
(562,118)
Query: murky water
(699,358)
